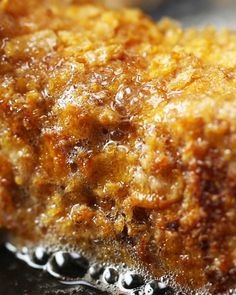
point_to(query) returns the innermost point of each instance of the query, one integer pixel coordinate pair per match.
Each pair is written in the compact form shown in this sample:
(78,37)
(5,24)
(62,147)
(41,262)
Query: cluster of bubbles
(73,268)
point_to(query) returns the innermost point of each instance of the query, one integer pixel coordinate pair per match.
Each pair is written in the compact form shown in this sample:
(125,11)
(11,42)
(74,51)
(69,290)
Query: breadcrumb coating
(116,130)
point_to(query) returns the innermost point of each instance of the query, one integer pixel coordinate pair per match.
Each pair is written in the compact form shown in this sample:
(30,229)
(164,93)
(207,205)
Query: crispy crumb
(113,127)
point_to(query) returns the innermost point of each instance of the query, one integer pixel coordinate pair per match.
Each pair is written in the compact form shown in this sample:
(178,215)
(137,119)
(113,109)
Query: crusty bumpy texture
(115,130)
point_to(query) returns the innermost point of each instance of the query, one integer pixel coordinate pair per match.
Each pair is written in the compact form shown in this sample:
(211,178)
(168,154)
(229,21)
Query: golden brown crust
(134,3)
(113,127)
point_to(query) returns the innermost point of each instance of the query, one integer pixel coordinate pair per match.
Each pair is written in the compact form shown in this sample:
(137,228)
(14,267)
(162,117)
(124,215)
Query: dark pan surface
(220,13)
(17,278)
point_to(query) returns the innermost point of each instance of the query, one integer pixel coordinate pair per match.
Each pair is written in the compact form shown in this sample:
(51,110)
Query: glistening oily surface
(118,133)
(18,279)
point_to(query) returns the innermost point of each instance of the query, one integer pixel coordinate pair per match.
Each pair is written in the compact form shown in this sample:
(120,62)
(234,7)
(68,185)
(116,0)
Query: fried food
(124,3)
(118,135)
